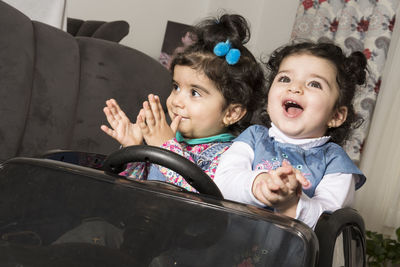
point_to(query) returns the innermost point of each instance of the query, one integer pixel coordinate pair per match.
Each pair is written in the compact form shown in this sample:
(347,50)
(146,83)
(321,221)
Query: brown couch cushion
(53,86)
(112,31)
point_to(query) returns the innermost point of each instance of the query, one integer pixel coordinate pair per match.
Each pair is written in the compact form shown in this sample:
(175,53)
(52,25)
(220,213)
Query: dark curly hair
(351,71)
(242,83)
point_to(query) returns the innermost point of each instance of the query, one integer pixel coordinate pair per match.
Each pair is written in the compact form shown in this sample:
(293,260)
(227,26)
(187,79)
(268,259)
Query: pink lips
(182,117)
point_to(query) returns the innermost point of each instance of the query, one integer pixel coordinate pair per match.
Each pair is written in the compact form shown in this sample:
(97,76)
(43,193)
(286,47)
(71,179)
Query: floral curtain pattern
(355,25)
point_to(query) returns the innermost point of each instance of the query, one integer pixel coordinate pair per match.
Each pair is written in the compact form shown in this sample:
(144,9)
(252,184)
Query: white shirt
(235,177)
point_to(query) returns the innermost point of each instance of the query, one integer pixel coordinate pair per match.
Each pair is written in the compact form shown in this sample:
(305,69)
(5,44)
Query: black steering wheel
(192,173)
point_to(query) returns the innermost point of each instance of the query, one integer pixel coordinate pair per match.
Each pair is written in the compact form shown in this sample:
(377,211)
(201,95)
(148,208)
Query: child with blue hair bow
(217,85)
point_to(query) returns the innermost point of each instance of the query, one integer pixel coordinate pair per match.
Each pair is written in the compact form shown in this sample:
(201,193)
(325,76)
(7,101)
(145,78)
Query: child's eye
(315,84)
(195,93)
(284,79)
(176,87)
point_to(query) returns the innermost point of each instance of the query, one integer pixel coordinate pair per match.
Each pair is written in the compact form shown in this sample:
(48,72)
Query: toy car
(70,208)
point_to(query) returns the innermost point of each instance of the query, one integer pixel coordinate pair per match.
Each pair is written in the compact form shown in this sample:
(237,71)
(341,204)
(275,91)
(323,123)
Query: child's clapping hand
(280,188)
(122,130)
(153,124)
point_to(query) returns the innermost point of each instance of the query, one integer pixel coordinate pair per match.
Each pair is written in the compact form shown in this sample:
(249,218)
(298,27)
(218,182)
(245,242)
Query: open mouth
(292,108)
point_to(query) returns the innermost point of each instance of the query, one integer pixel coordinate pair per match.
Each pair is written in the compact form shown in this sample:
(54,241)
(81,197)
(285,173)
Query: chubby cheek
(273,106)
(169,105)
(270,104)
(169,100)
(273,96)
(324,107)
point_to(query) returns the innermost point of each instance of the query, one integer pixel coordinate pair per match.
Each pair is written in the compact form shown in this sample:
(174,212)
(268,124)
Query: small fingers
(292,184)
(105,129)
(284,170)
(299,176)
(140,121)
(285,163)
(160,107)
(306,184)
(272,196)
(154,102)
(260,193)
(271,184)
(114,111)
(148,114)
(175,123)
(108,131)
(113,107)
(107,111)
(110,117)
(264,190)
(277,180)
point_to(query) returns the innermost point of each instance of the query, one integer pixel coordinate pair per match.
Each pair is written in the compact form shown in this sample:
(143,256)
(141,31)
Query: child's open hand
(153,124)
(125,132)
(280,188)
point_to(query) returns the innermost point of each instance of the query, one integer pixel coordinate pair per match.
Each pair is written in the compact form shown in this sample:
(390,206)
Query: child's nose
(295,89)
(178,100)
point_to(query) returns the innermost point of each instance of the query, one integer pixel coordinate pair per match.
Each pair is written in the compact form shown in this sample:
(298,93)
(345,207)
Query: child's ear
(338,117)
(233,113)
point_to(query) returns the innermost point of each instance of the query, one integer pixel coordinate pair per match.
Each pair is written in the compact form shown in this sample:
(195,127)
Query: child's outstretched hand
(280,188)
(125,132)
(153,123)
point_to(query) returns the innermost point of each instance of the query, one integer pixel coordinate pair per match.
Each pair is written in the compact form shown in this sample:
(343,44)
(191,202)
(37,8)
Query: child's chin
(186,134)
(184,131)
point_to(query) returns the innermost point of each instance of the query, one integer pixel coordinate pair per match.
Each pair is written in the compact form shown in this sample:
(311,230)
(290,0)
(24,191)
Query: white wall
(271,21)
(51,12)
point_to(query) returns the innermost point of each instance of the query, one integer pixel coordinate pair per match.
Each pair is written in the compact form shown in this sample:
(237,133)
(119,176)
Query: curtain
(379,199)
(367,25)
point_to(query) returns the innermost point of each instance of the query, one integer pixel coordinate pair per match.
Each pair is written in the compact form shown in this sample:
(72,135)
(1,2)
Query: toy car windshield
(60,214)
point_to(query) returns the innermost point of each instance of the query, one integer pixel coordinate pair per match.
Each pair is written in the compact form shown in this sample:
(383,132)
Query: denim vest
(313,163)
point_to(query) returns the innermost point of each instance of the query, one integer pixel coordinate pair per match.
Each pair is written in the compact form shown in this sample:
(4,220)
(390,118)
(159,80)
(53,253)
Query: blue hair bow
(232,55)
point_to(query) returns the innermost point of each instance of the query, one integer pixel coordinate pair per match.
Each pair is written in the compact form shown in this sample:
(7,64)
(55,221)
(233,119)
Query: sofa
(53,86)
(108,30)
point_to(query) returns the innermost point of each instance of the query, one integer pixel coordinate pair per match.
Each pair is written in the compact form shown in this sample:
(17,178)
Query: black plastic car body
(72,209)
